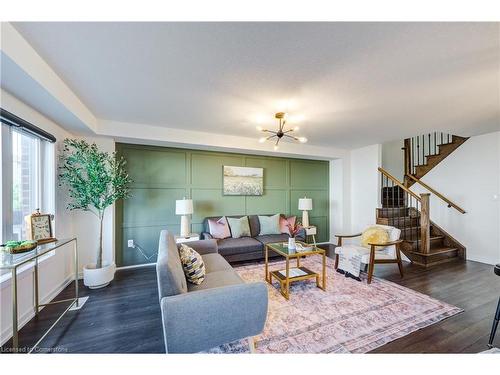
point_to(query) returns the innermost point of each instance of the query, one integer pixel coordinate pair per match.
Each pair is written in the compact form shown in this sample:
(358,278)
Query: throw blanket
(350,262)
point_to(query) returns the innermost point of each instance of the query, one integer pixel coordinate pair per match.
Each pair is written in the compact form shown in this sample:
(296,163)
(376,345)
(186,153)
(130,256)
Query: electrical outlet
(131,243)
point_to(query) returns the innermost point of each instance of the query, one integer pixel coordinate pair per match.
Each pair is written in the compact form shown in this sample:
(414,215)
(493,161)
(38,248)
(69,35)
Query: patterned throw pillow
(239,227)
(219,228)
(374,234)
(193,265)
(269,224)
(285,222)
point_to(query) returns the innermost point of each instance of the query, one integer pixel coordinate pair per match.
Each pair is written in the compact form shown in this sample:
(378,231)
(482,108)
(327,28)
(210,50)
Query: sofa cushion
(286,222)
(238,245)
(171,279)
(219,228)
(193,264)
(269,224)
(270,238)
(240,227)
(215,262)
(253,220)
(216,280)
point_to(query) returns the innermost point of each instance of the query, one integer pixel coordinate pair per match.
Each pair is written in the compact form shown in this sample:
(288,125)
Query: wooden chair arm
(348,235)
(385,244)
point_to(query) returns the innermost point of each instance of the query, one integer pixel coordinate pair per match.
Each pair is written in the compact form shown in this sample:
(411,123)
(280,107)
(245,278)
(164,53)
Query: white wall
(364,189)
(55,272)
(470,177)
(340,197)
(393,158)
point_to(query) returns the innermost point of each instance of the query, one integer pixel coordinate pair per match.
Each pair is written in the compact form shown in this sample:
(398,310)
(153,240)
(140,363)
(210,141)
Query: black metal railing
(401,207)
(425,145)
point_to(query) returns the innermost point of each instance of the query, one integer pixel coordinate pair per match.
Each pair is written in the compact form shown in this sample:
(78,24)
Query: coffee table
(296,273)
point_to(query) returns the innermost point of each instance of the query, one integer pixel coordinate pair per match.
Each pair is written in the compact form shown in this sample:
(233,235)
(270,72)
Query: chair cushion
(219,228)
(269,224)
(270,238)
(217,279)
(239,227)
(230,246)
(374,234)
(215,262)
(192,263)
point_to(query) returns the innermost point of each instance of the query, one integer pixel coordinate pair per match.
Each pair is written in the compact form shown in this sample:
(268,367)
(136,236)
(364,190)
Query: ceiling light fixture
(278,135)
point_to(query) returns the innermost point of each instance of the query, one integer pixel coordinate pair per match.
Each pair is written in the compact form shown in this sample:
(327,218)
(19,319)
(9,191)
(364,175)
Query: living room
(250,187)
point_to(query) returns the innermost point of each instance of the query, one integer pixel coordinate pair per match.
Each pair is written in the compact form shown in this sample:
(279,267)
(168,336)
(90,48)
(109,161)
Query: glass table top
(282,249)
(9,261)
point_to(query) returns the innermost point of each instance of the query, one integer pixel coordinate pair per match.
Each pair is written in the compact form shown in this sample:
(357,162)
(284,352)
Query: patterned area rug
(350,317)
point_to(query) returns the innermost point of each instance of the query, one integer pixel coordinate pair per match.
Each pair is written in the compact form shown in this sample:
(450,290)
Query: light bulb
(302,139)
(276,147)
(262,140)
(260,128)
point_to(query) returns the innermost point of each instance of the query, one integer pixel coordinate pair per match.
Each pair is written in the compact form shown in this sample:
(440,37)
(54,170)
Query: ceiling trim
(27,59)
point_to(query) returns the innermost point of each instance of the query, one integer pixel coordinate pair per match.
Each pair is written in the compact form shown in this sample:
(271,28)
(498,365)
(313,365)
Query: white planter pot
(291,243)
(95,278)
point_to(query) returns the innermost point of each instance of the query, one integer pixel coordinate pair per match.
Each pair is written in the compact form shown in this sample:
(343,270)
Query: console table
(13,261)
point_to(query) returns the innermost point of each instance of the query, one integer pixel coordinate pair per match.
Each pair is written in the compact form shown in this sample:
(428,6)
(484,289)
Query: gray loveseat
(223,308)
(247,248)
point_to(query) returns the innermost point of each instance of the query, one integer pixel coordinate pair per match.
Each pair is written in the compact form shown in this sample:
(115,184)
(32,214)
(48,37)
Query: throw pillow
(239,227)
(219,229)
(269,224)
(374,234)
(285,222)
(192,264)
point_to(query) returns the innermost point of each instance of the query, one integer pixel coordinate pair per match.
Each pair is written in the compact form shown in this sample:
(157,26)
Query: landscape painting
(243,181)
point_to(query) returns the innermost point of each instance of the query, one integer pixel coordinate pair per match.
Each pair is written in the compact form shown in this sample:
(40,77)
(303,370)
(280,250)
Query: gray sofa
(223,308)
(247,248)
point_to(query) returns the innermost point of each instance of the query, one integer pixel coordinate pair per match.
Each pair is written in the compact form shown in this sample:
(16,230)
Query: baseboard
(135,266)
(6,334)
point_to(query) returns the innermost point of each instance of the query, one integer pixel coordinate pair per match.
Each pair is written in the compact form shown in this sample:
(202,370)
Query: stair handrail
(438,194)
(397,182)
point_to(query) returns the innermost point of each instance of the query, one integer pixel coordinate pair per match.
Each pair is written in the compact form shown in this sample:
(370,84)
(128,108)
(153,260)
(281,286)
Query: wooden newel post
(425,223)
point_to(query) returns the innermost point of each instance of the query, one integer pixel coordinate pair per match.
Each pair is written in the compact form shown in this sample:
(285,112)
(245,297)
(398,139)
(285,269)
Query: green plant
(95,180)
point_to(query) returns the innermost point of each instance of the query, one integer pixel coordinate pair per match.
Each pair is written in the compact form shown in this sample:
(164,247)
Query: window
(27,179)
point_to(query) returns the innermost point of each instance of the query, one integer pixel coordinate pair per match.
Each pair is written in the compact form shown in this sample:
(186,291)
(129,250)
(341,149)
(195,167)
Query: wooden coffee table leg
(266,269)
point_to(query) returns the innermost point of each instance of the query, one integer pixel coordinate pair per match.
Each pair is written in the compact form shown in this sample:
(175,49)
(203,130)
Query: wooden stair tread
(433,238)
(442,250)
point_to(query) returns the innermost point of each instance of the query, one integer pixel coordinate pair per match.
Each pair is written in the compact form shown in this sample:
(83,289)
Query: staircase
(424,152)
(425,243)
(396,212)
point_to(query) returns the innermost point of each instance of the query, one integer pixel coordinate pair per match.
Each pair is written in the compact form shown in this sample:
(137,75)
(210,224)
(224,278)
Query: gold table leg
(267,276)
(15,337)
(287,279)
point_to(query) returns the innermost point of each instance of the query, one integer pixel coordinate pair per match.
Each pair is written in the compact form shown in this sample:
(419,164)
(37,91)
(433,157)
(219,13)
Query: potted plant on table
(95,180)
(294,231)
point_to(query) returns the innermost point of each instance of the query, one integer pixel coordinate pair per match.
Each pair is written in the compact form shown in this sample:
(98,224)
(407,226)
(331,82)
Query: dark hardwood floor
(125,316)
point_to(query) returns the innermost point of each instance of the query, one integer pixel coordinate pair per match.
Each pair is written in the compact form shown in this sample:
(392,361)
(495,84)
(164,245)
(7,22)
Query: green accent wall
(161,175)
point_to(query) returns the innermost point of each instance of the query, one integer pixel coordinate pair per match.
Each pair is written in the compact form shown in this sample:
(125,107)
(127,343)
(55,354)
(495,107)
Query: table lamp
(184,207)
(305,205)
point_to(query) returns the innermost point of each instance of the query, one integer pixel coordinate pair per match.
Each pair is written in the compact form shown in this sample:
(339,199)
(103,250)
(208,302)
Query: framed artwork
(243,180)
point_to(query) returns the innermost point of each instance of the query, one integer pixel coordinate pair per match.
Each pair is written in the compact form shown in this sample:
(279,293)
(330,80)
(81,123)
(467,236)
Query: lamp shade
(305,204)
(184,207)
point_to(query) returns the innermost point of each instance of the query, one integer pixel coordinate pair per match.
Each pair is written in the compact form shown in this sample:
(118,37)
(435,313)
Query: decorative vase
(291,243)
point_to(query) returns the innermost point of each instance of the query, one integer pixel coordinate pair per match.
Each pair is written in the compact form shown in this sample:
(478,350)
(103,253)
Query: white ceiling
(354,83)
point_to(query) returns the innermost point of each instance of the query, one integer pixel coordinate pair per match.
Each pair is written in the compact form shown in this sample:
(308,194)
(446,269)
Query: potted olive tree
(95,180)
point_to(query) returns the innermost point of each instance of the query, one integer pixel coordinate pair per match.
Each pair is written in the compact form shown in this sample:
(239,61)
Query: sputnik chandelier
(281,132)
